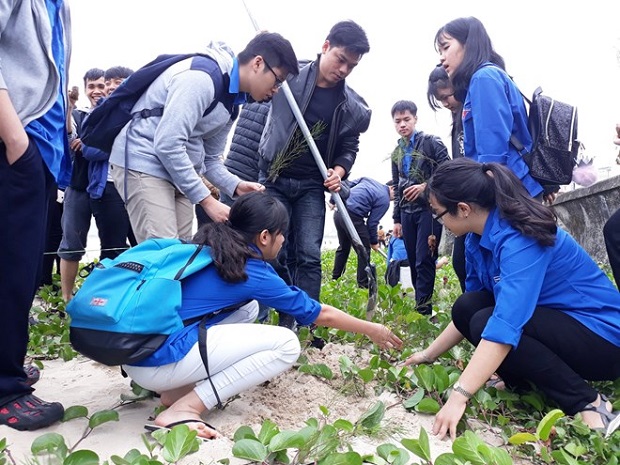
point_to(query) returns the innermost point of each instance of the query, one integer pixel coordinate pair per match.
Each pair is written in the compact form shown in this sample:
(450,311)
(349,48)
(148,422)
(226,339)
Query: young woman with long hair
(493,107)
(240,354)
(536,306)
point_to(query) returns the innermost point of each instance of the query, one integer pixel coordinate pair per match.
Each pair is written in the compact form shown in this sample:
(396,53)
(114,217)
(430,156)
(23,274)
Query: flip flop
(169,426)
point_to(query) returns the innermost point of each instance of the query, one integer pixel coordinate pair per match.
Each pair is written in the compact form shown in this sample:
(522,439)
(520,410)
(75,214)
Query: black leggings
(556,352)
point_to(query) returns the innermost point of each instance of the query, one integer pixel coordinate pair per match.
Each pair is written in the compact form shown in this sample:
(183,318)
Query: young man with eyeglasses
(414,161)
(336,116)
(160,160)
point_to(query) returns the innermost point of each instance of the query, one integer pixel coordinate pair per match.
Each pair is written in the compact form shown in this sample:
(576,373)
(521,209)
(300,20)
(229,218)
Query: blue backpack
(128,306)
(102,125)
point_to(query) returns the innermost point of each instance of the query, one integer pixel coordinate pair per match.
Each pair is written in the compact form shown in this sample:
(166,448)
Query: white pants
(241,355)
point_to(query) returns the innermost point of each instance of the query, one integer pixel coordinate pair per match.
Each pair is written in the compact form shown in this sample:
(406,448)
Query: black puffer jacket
(242,158)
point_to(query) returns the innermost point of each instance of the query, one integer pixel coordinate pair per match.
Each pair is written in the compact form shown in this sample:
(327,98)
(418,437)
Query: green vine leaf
(428,405)
(82,457)
(373,416)
(522,438)
(180,441)
(48,443)
(250,449)
(286,440)
(75,411)
(337,458)
(546,424)
(101,417)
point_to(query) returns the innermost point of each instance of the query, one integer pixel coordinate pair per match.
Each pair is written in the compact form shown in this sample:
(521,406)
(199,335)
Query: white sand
(288,400)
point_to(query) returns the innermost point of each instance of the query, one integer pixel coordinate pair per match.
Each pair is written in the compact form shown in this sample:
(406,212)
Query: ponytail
(231,240)
(490,185)
(229,250)
(525,214)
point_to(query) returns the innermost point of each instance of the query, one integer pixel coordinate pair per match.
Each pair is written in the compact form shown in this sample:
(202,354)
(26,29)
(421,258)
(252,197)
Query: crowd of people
(534,304)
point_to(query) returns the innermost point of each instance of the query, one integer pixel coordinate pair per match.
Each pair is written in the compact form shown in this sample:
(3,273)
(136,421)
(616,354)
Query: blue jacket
(370,200)
(97,170)
(493,111)
(206,292)
(242,158)
(396,249)
(522,275)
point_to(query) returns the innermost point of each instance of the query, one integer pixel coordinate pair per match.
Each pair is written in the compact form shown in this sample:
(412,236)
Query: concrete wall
(583,212)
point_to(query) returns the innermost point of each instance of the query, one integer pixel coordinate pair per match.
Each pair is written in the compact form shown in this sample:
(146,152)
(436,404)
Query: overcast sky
(570,49)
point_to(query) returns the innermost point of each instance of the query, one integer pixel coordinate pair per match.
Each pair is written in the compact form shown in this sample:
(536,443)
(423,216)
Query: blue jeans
(304,200)
(75,220)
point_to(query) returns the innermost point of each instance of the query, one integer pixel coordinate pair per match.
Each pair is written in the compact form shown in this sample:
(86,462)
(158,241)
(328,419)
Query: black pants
(52,241)
(611,232)
(416,229)
(556,353)
(458,259)
(345,241)
(112,222)
(25,189)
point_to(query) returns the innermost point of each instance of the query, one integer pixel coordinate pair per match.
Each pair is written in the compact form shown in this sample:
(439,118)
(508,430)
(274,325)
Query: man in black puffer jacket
(242,158)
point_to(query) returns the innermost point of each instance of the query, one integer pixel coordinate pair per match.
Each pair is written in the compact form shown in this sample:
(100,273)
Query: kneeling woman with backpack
(536,306)
(240,354)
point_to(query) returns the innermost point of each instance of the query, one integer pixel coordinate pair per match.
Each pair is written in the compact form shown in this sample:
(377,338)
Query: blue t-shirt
(205,292)
(493,111)
(522,274)
(49,131)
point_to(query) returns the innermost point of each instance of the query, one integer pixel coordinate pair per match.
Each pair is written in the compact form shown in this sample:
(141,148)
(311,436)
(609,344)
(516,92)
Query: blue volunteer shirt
(49,131)
(493,111)
(205,292)
(233,87)
(369,199)
(523,274)
(408,151)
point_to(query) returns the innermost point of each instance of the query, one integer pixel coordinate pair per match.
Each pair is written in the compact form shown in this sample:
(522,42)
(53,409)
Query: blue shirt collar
(233,88)
(490,229)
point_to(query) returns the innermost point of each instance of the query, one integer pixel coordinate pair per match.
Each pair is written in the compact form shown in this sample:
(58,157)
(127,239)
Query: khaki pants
(155,206)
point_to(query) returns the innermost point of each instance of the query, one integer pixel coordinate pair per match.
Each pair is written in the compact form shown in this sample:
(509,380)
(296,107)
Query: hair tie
(485,168)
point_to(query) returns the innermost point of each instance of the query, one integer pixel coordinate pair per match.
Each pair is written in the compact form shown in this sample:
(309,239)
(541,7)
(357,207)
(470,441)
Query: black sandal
(28,412)
(611,420)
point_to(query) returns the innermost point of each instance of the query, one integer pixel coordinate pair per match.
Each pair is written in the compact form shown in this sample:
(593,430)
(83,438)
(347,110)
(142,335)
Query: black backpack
(102,125)
(553,126)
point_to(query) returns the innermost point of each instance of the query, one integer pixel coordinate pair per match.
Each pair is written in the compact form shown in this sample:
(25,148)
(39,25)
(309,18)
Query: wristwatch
(458,388)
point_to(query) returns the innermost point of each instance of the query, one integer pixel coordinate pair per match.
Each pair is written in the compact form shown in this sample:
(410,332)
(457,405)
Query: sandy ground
(288,400)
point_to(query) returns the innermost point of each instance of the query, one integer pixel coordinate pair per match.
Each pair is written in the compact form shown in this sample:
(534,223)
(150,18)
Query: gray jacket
(351,118)
(27,68)
(182,143)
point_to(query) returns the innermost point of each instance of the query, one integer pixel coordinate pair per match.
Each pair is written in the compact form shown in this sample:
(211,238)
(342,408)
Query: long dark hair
(488,185)
(230,241)
(472,35)
(437,80)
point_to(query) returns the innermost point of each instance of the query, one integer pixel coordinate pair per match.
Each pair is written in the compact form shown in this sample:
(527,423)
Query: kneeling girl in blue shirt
(240,354)
(536,306)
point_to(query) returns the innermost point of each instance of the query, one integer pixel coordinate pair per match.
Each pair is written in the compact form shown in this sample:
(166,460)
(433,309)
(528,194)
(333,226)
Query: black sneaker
(28,413)
(32,374)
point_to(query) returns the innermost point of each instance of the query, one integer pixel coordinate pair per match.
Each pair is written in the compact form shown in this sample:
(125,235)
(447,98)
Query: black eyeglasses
(278,82)
(437,217)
